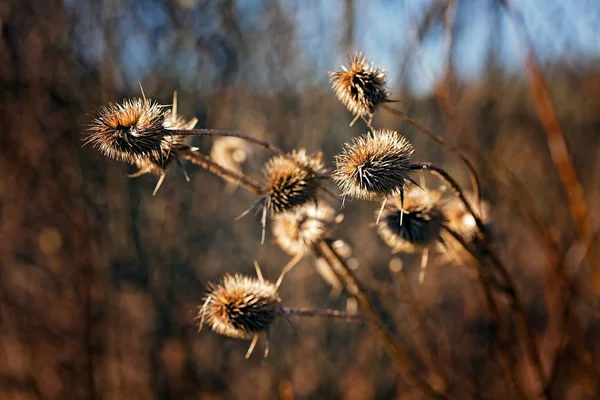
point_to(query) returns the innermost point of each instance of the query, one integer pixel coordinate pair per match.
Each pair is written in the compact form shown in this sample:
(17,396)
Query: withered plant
(292,196)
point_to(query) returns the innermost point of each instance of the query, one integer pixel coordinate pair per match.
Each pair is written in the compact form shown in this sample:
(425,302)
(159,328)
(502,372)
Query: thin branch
(507,359)
(445,144)
(335,314)
(216,132)
(205,162)
(383,332)
(555,137)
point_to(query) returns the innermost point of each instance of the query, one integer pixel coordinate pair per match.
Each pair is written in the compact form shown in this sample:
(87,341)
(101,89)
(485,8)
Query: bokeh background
(99,281)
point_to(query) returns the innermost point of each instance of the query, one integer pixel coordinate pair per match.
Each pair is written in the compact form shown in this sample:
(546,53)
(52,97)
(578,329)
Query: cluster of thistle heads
(377,166)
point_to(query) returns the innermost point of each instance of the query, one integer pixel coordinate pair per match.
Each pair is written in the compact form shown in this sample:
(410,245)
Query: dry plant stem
(334,314)
(216,132)
(445,144)
(555,138)
(517,305)
(208,164)
(453,185)
(507,358)
(521,319)
(383,332)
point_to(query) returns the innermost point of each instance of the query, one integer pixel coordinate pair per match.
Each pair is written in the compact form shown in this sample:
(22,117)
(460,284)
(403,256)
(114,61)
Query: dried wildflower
(130,131)
(361,88)
(421,223)
(240,306)
(374,166)
(176,121)
(463,223)
(231,153)
(292,180)
(297,231)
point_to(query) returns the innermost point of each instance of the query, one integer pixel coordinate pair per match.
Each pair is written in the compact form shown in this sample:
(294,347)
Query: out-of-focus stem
(445,144)
(383,332)
(555,137)
(454,186)
(217,132)
(205,162)
(336,314)
(507,358)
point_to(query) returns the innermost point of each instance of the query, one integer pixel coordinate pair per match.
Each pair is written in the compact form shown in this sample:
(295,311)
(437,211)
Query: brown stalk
(216,132)
(507,359)
(383,332)
(555,137)
(205,162)
(442,174)
(510,287)
(445,144)
(335,314)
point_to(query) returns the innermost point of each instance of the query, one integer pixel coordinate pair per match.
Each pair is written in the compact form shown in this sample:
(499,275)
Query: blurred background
(99,281)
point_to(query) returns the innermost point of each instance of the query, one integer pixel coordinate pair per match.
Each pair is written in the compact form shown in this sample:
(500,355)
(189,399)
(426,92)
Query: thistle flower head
(459,220)
(230,152)
(422,221)
(240,306)
(292,180)
(129,131)
(361,87)
(374,166)
(297,231)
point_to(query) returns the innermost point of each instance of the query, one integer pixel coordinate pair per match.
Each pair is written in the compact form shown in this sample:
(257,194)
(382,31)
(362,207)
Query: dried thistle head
(422,221)
(129,131)
(240,306)
(230,152)
(292,180)
(459,220)
(176,121)
(361,87)
(296,232)
(374,166)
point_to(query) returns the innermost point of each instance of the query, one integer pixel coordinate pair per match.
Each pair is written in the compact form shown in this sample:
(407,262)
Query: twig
(507,359)
(555,137)
(336,314)
(445,144)
(216,132)
(205,162)
(388,339)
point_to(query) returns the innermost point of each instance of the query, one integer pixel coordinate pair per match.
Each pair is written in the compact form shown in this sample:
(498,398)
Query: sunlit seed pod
(459,220)
(374,166)
(231,153)
(361,87)
(240,306)
(129,131)
(296,232)
(414,226)
(292,180)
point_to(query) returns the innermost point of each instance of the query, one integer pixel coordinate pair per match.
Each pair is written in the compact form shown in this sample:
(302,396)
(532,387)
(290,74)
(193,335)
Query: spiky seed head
(374,166)
(361,87)
(240,306)
(296,232)
(129,131)
(422,221)
(292,180)
(463,223)
(170,145)
(230,152)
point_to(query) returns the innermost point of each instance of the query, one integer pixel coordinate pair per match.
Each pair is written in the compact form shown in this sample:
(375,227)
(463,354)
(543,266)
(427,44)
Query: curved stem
(383,332)
(445,144)
(327,313)
(454,185)
(205,162)
(507,359)
(217,132)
